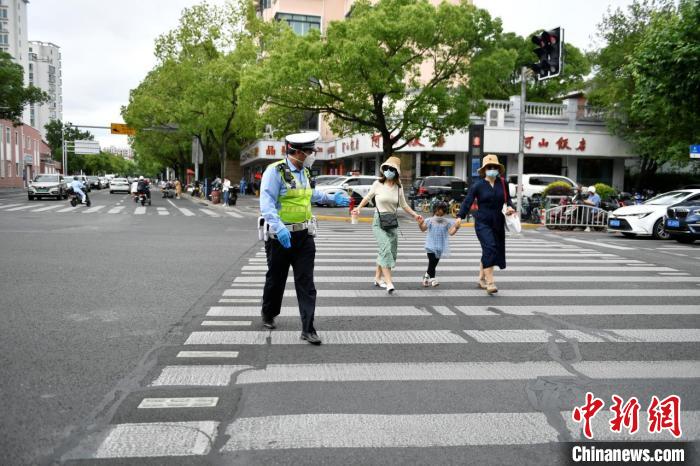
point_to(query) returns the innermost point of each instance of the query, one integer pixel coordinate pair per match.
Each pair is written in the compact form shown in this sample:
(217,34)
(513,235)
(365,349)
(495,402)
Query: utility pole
(521,142)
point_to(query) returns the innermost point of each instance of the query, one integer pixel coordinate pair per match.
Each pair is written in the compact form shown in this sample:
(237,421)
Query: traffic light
(550,45)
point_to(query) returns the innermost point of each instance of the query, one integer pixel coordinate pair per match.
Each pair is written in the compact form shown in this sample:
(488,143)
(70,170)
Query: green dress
(387,244)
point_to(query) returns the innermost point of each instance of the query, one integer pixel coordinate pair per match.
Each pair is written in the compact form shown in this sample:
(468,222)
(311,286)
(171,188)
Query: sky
(107,47)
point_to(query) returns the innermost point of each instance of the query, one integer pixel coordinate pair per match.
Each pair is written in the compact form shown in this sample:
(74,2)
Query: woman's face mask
(389,174)
(493,173)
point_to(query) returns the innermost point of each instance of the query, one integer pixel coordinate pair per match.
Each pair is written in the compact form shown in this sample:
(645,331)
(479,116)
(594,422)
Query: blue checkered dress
(437,241)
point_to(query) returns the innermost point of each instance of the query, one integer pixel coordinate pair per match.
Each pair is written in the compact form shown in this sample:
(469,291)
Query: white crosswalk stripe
(209,213)
(44,209)
(163,211)
(22,207)
(92,210)
(116,210)
(140,210)
(401,371)
(234,214)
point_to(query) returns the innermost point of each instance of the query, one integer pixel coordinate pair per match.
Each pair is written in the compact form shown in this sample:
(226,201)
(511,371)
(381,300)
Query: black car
(94,182)
(431,186)
(683,221)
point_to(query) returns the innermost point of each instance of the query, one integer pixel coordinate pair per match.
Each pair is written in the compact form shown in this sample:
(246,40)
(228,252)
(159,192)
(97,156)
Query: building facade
(23,153)
(44,72)
(13,31)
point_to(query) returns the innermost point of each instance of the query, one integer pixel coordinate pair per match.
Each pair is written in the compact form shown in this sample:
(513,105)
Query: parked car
(119,185)
(683,221)
(104,182)
(431,186)
(647,219)
(534,183)
(47,185)
(321,180)
(359,185)
(94,182)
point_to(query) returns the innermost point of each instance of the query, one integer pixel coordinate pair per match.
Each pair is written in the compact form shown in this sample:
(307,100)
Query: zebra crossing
(119,209)
(401,377)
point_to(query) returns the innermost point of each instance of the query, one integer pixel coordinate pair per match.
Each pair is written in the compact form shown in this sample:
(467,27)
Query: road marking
(22,207)
(226,323)
(155,403)
(387,431)
(656,335)
(234,300)
(596,243)
(279,373)
(470,254)
(209,212)
(44,209)
(8,206)
(444,310)
(323,311)
(361,337)
(527,268)
(251,279)
(674,273)
(115,210)
(537,293)
(548,260)
(234,214)
(154,440)
(207,354)
(186,212)
(94,209)
(198,375)
(622,309)
(140,210)
(163,211)
(67,209)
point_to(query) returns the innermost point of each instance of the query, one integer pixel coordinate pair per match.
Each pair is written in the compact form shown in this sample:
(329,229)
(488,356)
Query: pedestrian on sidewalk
(490,193)
(437,243)
(243,186)
(285,203)
(388,196)
(225,187)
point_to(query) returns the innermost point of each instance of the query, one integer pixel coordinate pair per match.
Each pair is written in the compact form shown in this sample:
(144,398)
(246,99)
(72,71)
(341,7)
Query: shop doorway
(592,171)
(543,165)
(437,164)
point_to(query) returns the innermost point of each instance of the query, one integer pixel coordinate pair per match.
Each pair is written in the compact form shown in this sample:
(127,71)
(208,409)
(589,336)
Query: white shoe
(434,282)
(426,280)
(390,288)
(380,284)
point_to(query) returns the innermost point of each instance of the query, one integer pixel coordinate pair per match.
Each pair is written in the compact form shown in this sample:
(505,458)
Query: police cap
(302,141)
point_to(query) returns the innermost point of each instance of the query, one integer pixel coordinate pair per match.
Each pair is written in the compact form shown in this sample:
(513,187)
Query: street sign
(85,147)
(695,151)
(121,128)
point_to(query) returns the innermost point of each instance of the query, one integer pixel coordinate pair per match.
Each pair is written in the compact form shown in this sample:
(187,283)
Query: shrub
(558,188)
(604,191)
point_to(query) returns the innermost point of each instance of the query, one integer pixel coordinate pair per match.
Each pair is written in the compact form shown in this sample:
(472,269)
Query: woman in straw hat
(388,195)
(490,193)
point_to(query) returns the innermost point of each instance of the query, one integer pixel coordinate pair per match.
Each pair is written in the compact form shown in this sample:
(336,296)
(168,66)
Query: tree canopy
(14,96)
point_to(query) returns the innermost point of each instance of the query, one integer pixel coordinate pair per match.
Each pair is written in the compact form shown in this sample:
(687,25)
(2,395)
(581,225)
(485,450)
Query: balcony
(570,111)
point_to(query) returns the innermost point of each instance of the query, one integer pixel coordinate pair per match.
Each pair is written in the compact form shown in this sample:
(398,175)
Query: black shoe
(311,338)
(268,323)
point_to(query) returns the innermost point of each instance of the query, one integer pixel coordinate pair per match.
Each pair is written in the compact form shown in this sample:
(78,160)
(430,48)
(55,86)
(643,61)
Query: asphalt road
(171,365)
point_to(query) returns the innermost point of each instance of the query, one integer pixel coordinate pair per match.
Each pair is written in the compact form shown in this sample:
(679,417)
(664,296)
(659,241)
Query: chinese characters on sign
(353,145)
(562,143)
(661,414)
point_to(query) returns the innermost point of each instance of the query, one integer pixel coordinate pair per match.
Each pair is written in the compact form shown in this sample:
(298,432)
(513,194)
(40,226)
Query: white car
(359,185)
(535,183)
(118,185)
(47,185)
(647,219)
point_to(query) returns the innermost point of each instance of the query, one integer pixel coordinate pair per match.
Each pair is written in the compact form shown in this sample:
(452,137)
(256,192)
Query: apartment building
(13,31)
(44,72)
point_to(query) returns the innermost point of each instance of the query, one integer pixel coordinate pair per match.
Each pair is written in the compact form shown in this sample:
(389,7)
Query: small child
(437,242)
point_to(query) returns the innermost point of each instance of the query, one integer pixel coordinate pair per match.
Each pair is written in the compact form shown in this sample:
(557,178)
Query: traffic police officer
(286,194)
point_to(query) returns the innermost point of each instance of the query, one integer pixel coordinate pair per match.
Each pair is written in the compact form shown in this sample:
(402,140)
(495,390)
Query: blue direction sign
(695,151)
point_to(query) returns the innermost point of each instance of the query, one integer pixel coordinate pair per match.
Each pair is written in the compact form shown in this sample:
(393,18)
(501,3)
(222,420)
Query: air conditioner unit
(495,117)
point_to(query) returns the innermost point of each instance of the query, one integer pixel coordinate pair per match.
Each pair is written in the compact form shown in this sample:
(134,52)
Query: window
(3,13)
(310,122)
(4,39)
(300,24)
(352,182)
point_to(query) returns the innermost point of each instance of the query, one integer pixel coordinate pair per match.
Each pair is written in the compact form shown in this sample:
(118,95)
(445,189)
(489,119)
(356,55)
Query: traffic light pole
(521,143)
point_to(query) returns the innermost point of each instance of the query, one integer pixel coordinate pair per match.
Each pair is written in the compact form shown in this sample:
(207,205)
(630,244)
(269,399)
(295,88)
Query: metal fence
(567,217)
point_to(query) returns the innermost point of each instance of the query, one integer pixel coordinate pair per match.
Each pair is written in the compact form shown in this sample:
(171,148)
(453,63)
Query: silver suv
(47,185)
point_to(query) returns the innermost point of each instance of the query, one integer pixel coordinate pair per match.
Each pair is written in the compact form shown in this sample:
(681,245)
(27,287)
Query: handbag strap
(505,196)
(398,194)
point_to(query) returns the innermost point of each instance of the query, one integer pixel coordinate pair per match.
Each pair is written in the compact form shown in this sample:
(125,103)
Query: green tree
(646,76)
(366,74)
(76,163)
(14,97)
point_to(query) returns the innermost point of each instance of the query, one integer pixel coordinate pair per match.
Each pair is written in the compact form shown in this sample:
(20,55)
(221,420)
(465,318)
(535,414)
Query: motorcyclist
(142,187)
(77,186)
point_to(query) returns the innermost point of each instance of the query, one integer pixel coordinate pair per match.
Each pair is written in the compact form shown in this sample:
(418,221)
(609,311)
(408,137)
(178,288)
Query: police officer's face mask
(309,160)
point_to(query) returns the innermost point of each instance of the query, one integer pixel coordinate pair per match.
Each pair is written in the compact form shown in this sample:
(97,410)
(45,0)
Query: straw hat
(491,159)
(393,162)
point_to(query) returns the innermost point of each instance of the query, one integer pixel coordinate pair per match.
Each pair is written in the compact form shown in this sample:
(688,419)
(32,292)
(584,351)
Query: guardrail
(570,216)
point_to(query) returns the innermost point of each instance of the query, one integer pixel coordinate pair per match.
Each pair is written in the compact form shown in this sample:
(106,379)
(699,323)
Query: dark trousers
(301,257)
(432,263)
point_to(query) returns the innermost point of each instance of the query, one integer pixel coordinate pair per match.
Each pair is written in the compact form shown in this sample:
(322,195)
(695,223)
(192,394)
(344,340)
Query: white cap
(591,189)
(302,140)
(140,177)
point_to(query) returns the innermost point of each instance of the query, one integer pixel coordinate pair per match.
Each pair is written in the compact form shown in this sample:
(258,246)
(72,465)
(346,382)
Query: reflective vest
(295,204)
